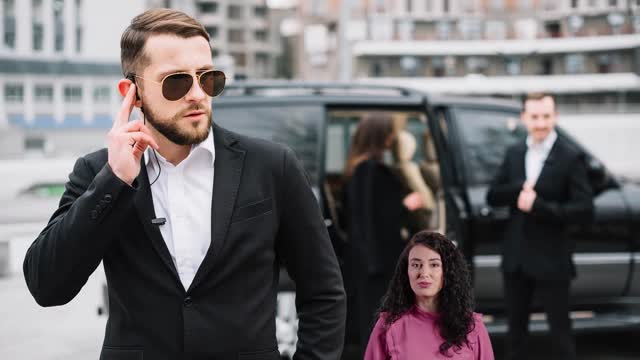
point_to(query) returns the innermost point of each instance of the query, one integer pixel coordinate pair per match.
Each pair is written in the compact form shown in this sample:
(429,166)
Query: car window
(485,137)
(295,126)
(342,126)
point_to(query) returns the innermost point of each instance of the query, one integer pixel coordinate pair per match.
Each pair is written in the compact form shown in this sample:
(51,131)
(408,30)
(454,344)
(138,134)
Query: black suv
(461,142)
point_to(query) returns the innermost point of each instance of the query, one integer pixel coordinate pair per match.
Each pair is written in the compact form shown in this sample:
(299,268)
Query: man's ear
(123,88)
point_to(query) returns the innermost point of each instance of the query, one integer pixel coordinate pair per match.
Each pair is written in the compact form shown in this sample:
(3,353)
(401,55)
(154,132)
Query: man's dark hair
(154,22)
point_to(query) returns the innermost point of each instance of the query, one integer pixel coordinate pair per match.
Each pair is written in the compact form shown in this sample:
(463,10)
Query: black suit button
(187,301)
(107,198)
(94,214)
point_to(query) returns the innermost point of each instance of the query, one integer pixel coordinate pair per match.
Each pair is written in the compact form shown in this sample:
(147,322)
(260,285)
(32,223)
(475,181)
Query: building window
(79,25)
(9,23)
(34,143)
(72,94)
(496,29)
(409,5)
(546,66)
(236,36)
(476,65)
(553,29)
(260,11)
(207,7)
(261,35)
(14,93)
(410,65)
(376,69)
(239,59)
(38,36)
(513,66)
(43,94)
(445,6)
(235,12)
(38,28)
(613,3)
(262,64)
(102,95)
(58,24)
(574,63)
(574,4)
(212,30)
(437,63)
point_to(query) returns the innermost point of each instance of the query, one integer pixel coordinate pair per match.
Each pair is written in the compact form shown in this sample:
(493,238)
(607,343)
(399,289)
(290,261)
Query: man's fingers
(126,108)
(137,125)
(140,137)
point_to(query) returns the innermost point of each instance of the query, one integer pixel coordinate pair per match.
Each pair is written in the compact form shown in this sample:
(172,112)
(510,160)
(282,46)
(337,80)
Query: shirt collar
(207,145)
(546,144)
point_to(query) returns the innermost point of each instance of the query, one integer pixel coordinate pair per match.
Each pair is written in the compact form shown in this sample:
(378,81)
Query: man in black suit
(544,182)
(191,221)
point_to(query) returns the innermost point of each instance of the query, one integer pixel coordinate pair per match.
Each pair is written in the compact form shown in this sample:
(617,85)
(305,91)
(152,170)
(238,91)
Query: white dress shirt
(536,156)
(182,195)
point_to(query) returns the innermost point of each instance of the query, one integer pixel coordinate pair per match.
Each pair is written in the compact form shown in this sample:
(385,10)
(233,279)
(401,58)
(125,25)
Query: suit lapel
(144,205)
(520,161)
(549,162)
(226,181)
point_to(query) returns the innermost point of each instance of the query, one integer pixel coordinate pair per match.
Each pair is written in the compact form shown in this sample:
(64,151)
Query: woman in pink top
(427,312)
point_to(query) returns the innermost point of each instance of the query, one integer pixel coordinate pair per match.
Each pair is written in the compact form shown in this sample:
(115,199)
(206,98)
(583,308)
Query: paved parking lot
(30,332)
(75,331)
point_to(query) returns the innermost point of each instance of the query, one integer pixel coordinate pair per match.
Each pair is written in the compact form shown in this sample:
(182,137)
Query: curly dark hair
(455,300)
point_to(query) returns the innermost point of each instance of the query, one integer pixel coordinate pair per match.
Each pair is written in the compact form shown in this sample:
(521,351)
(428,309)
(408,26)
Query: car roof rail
(299,88)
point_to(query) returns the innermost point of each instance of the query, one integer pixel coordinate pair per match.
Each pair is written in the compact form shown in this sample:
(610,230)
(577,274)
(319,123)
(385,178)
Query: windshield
(295,126)
(485,136)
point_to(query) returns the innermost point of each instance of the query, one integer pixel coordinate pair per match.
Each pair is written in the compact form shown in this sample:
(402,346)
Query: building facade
(244,31)
(585,51)
(59,66)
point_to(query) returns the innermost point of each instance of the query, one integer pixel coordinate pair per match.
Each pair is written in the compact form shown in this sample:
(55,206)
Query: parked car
(461,142)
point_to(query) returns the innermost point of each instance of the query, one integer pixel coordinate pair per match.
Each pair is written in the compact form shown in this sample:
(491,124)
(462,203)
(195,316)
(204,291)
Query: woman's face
(425,272)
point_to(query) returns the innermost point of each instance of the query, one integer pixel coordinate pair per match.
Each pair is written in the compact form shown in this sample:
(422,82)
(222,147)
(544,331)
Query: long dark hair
(454,302)
(369,140)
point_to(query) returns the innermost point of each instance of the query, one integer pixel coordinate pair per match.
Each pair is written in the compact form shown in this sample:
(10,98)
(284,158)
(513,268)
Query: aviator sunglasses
(175,86)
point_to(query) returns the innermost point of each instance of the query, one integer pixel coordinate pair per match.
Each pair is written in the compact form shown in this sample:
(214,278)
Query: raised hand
(127,141)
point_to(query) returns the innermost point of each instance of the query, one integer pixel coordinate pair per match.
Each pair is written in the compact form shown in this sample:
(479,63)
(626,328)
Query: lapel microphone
(158,221)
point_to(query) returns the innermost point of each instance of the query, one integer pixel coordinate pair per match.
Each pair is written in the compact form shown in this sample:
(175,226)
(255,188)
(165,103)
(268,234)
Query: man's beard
(170,129)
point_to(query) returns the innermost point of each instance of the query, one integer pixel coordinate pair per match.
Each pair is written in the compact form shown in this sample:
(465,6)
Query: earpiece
(132,78)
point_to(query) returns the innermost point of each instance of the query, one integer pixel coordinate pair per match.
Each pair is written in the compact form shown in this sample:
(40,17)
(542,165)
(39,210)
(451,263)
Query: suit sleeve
(504,191)
(305,247)
(71,246)
(579,206)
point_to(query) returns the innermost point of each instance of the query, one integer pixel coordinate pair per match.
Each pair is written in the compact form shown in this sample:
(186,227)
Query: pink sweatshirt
(414,336)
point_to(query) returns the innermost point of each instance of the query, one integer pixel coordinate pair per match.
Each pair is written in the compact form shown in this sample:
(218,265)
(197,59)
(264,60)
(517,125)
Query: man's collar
(546,144)
(207,145)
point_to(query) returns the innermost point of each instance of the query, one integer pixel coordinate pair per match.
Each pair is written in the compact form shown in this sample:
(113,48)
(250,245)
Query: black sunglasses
(175,86)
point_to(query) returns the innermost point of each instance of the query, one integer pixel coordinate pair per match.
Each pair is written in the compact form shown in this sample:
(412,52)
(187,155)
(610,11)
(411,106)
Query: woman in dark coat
(377,205)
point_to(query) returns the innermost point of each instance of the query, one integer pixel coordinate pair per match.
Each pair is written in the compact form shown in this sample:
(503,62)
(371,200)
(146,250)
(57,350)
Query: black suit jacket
(536,242)
(263,213)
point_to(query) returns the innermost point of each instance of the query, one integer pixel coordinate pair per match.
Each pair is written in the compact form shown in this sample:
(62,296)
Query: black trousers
(520,289)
